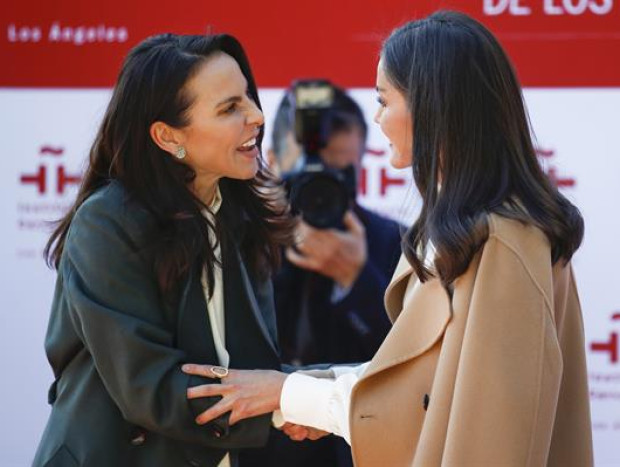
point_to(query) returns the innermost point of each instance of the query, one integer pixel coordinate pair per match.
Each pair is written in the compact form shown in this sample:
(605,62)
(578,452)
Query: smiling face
(394,118)
(220,139)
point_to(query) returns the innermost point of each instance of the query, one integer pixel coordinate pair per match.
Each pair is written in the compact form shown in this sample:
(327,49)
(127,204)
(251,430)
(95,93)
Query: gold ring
(219,371)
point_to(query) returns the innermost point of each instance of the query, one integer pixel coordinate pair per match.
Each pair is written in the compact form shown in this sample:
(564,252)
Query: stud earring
(181,153)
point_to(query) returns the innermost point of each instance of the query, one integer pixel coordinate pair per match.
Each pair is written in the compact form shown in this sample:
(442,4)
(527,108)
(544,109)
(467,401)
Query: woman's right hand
(245,393)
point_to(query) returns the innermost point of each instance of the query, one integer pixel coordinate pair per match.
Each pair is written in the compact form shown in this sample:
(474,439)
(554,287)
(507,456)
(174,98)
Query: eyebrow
(230,100)
(380,89)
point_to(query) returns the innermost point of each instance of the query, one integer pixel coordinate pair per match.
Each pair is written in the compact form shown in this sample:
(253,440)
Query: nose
(255,115)
(377,115)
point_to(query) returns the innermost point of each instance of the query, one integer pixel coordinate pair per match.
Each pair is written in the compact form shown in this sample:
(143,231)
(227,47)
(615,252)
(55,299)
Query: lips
(248,145)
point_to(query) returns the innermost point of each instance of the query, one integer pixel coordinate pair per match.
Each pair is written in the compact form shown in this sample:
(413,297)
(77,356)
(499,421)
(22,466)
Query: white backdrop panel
(47,134)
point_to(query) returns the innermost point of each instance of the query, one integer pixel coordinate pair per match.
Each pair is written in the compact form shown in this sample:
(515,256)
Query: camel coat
(499,380)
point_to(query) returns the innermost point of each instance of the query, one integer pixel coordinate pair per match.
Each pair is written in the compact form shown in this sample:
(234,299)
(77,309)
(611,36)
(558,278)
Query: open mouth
(247,146)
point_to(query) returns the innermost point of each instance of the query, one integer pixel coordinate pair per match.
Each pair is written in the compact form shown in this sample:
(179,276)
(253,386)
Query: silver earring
(181,153)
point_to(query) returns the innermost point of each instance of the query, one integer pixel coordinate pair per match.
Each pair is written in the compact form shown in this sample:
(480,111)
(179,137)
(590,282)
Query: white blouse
(215,304)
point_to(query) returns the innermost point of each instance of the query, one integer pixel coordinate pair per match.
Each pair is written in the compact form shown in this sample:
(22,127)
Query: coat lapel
(193,328)
(393,298)
(421,313)
(244,314)
(250,323)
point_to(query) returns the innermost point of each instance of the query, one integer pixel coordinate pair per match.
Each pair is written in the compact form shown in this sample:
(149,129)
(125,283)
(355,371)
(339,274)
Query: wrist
(279,379)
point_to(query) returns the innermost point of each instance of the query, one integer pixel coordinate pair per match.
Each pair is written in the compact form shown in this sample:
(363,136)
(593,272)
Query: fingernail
(185,367)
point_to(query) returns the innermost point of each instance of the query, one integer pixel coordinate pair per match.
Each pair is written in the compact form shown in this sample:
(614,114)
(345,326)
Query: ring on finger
(219,371)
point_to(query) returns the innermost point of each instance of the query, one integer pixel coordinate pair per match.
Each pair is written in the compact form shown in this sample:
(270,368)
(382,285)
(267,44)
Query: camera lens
(322,200)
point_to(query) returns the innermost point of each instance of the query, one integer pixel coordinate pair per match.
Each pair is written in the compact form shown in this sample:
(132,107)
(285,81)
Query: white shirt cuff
(321,403)
(305,401)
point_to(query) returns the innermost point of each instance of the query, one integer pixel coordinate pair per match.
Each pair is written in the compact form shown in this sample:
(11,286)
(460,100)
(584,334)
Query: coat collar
(420,318)
(394,293)
(241,291)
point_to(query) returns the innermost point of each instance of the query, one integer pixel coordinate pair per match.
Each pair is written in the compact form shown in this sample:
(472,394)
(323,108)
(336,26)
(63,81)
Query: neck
(204,188)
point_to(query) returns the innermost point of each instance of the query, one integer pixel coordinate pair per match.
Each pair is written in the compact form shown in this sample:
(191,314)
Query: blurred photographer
(329,291)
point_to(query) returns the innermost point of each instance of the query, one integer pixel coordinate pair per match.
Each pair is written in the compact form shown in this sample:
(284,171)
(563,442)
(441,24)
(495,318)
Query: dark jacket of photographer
(116,347)
(338,331)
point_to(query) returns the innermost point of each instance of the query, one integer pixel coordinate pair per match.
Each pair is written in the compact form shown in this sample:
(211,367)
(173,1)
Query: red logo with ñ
(40,177)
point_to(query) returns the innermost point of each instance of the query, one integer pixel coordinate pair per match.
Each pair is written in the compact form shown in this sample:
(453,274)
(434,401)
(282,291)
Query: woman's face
(394,118)
(220,140)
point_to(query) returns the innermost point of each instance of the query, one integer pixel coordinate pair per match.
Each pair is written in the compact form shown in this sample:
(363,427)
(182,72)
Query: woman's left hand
(301,433)
(245,393)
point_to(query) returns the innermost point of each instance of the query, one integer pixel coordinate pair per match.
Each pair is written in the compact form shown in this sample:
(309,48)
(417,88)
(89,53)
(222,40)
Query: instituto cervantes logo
(40,178)
(47,192)
(387,181)
(609,347)
(546,157)
(605,381)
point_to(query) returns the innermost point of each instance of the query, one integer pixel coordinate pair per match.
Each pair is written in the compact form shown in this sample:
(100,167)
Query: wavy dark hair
(150,88)
(471,135)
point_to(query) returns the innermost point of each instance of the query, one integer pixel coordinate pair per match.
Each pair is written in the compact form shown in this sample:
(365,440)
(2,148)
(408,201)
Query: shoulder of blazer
(112,207)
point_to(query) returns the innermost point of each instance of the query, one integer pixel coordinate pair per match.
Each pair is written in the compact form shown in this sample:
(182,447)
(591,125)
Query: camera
(320,194)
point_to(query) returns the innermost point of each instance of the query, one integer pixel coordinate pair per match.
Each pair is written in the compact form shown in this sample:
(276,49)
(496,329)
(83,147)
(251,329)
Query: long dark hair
(150,88)
(471,135)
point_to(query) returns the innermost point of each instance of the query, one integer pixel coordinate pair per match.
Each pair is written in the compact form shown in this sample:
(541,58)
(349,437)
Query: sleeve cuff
(305,401)
(339,293)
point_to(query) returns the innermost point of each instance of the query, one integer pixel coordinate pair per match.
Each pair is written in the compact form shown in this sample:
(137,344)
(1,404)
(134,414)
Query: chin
(399,162)
(244,169)
(248,174)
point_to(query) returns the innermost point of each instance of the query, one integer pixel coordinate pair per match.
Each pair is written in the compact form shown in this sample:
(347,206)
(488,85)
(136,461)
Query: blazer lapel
(250,342)
(242,287)
(194,332)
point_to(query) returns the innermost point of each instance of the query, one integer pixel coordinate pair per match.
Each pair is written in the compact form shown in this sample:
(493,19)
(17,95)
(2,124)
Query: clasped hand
(245,394)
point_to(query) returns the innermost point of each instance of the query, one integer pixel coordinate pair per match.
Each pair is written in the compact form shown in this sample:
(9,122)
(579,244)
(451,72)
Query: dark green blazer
(116,347)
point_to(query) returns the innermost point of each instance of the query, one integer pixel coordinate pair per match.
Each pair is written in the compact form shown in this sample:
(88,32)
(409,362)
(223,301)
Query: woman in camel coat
(485,363)
(496,379)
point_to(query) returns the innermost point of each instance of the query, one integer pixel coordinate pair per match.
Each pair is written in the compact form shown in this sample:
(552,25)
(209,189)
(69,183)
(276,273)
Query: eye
(381,101)
(230,109)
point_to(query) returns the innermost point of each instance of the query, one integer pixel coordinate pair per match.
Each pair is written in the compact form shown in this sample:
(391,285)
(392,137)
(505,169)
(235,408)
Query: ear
(166,137)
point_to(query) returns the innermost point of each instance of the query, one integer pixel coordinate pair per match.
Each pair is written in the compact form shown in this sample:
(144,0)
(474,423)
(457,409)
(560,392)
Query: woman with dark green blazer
(164,259)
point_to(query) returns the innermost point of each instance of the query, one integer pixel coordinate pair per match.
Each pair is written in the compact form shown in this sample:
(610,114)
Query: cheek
(384,124)
(222,132)
(399,131)
(391,128)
